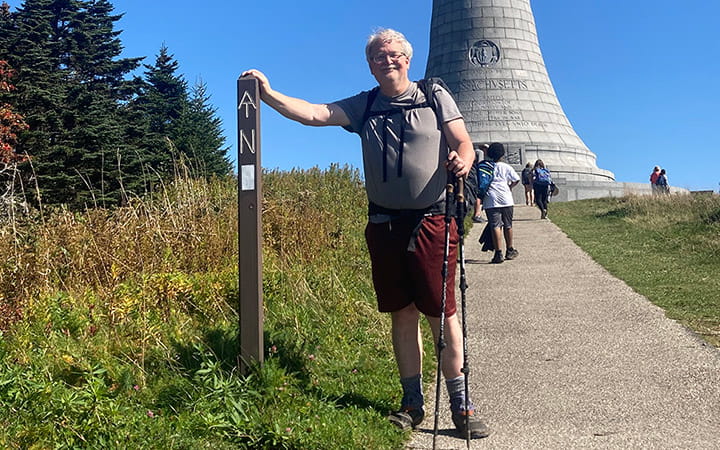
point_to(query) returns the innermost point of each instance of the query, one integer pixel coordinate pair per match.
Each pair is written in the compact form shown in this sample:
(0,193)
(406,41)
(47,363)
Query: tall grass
(109,312)
(121,325)
(665,247)
(185,228)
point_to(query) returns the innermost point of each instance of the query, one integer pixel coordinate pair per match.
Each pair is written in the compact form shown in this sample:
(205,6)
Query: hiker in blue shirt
(661,183)
(479,156)
(541,186)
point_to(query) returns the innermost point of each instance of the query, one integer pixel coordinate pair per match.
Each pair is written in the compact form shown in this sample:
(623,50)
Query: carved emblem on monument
(484,53)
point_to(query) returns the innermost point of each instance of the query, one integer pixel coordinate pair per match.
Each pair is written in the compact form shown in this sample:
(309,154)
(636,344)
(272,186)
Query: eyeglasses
(382,57)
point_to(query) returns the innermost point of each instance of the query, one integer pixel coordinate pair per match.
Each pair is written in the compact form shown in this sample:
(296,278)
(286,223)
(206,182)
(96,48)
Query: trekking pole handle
(460,189)
(449,192)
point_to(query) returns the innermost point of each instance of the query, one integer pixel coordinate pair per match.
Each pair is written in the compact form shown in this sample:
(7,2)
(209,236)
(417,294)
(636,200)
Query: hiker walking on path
(526,178)
(406,228)
(541,187)
(653,179)
(479,156)
(661,184)
(498,203)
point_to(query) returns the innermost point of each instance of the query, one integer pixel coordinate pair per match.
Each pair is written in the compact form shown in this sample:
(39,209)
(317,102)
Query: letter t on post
(249,223)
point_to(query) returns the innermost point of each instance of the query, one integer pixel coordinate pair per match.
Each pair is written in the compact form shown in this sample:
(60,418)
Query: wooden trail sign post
(249,223)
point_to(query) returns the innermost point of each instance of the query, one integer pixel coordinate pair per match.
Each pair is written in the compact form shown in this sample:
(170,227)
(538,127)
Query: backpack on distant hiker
(485,171)
(542,177)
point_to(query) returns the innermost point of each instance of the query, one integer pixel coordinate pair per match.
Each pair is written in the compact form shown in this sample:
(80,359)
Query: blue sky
(639,80)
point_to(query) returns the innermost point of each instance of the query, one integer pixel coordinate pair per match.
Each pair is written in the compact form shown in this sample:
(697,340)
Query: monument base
(581,190)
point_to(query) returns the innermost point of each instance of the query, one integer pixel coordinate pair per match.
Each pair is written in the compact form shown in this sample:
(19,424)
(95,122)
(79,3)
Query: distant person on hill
(661,183)
(412,136)
(653,179)
(499,205)
(526,178)
(541,186)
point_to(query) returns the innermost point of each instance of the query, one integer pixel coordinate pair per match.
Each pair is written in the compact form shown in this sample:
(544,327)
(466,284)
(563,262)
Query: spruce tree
(156,109)
(199,136)
(96,138)
(32,37)
(70,85)
(97,88)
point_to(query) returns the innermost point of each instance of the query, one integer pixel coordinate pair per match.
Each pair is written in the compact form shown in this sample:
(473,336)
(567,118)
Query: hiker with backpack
(661,183)
(526,178)
(472,184)
(413,141)
(542,184)
(498,202)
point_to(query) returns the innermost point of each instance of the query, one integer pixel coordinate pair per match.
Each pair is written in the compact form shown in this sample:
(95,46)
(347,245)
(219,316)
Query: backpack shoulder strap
(487,163)
(372,95)
(426,85)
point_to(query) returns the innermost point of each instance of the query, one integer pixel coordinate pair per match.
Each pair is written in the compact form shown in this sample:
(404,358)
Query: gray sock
(412,392)
(456,392)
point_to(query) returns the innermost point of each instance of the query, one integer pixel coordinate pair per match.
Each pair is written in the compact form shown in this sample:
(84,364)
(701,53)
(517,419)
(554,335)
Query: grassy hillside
(667,248)
(119,327)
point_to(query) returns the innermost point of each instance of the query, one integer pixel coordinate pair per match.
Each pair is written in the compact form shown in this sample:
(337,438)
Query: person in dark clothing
(526,178)
(662,183)
(541,186)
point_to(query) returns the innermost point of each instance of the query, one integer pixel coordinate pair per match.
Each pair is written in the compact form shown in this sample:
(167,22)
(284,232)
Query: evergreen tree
(94,136)
(6,28)
(31,38)
(199,136)
(70,85)
(155,111)
(97,89)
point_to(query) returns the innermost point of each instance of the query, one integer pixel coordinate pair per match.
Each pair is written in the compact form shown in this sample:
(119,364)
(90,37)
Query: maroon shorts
(402,277)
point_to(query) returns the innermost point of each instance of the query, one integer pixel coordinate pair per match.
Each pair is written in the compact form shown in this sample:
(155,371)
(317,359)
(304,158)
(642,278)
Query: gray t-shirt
(415,178)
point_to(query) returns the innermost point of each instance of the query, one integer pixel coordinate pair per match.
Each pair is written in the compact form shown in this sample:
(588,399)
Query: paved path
(563,355)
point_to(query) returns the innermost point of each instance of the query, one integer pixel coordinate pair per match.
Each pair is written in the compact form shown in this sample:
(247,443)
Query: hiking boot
(477,428)
(497,259)
(511,253)
(407,418)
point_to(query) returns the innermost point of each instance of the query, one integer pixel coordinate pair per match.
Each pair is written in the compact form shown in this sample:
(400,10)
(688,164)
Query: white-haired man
(409,143)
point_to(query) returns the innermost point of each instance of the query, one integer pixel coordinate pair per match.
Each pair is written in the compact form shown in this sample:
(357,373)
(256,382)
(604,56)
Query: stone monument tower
(487,52)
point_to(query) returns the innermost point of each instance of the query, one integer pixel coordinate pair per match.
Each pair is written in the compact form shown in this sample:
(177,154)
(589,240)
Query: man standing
(409,143)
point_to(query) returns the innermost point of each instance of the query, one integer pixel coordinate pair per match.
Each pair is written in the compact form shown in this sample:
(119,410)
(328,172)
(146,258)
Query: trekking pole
(461,212)
(449,188)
